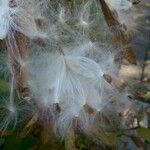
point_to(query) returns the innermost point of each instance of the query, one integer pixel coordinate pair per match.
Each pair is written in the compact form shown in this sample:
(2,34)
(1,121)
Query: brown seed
(12,3)
(26,93)
(108,78)
(57,108)
(120,83)
(135,2)
(88,109)
(39,41)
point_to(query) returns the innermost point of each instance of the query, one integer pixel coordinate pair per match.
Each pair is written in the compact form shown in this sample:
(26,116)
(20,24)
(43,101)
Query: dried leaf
(70,140)
(118,30)
(138,142)
(20,72)
(2,45)
(46,133)
(129,55)
(30,126)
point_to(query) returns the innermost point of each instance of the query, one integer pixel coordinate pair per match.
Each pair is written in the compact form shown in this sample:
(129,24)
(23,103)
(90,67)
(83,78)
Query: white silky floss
(4,18)
(120,4)
(18,19)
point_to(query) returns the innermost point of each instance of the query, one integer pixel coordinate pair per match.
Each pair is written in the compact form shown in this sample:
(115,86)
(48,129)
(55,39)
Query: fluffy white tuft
(72,78)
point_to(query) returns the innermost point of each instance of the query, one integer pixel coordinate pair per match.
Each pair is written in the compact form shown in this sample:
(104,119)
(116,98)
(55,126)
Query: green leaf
(147,96)
(144,133)
(13,143)
(108,138)
(4,86)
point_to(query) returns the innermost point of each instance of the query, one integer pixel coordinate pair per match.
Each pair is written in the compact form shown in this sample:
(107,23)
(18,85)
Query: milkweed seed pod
(63,56)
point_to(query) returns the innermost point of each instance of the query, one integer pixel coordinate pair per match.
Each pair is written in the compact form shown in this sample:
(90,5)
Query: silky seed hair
(71,71)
